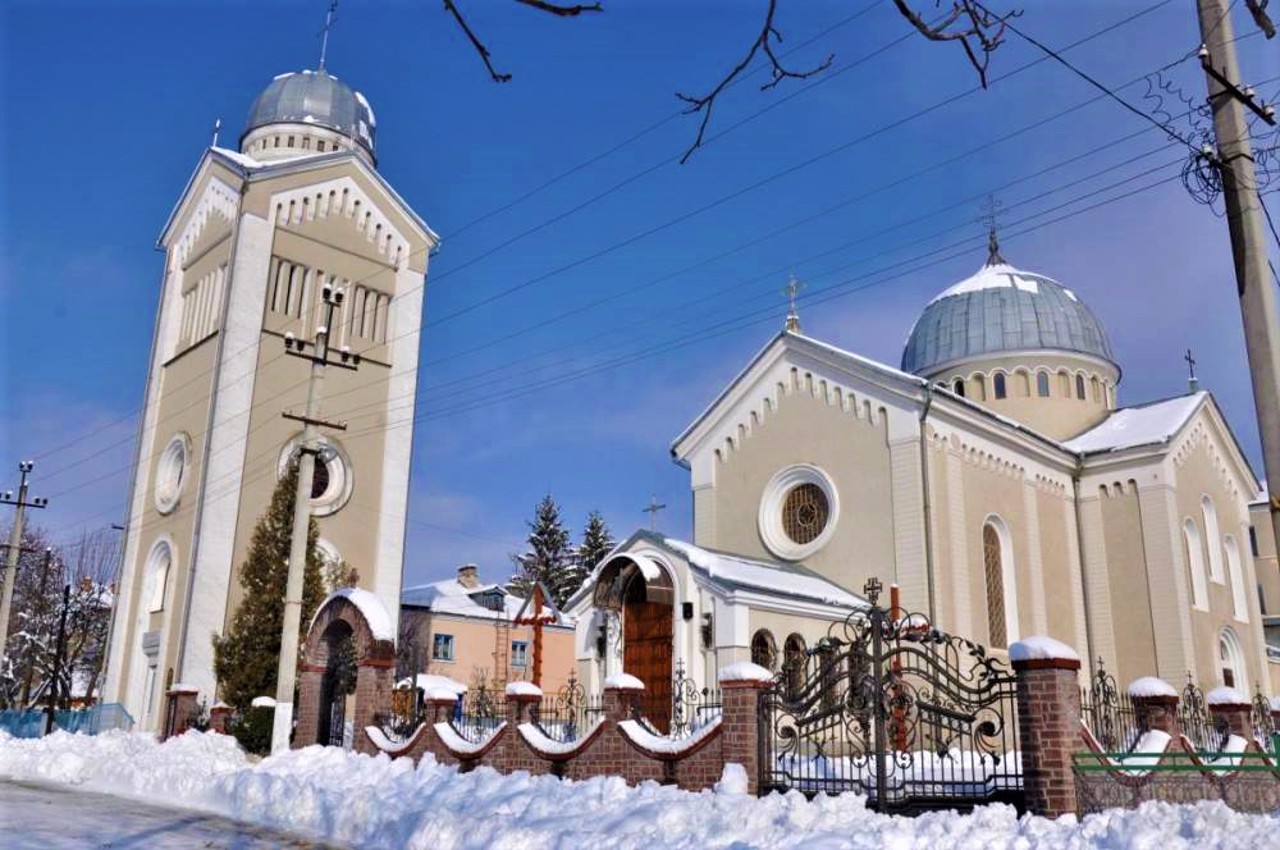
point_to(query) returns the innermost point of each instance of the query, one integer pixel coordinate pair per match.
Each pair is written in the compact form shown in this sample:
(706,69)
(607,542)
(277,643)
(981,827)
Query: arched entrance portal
(337,683)
(637,590)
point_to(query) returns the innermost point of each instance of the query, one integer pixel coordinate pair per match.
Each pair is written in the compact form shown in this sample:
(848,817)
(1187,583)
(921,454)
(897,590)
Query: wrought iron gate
(889,707)
(339,681)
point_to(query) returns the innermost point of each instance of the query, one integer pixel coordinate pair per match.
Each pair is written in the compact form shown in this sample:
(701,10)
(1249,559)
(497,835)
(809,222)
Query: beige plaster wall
(851,449)
(1131,621)
(994,488)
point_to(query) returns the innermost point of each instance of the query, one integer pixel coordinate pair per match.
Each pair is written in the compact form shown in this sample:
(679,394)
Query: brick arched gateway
(359,614)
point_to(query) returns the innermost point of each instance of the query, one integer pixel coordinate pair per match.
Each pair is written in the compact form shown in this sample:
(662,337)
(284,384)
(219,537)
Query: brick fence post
(741,685)
(621,691)
(310,684)
(521,699)
(1155,707)
(373,699)
(1048,722)
(1233,710)
(219,717)
(439,705)
(180,705)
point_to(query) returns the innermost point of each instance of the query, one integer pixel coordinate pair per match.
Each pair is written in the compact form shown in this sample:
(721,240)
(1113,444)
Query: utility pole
(15,548)
(287,672)
(1228,100)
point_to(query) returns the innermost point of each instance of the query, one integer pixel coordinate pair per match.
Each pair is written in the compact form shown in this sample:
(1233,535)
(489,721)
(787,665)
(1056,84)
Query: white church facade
(254,237)
(992,478)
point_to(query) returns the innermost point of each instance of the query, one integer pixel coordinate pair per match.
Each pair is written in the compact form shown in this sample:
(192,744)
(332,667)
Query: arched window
(1212,538)
(157,575)
(1042,384)
(1080,387)
(1064,382)
(1193,552)
(958,386)
(1097,389)
(763,650)
(1235,572)
(1002,612)
(1002,390)
(980,384)
(793,665)
(1231,669)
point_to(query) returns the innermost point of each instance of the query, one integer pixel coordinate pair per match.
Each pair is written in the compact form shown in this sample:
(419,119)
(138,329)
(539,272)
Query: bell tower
(254,238)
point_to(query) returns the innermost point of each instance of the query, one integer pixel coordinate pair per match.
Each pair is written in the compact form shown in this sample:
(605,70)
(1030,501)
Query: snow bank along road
(50,817)
(377,803)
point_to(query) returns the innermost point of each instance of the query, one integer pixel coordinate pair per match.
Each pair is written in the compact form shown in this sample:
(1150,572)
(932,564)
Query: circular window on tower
(171,472)
(798,512)
(331,482)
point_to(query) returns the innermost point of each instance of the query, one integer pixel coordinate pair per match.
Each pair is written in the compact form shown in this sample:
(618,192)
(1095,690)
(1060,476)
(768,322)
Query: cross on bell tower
(791,290)
(992,209)
(1193,383)
(329,19)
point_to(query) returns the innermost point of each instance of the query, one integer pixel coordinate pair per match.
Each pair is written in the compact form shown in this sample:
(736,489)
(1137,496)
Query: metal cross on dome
(791,290)
(992,209)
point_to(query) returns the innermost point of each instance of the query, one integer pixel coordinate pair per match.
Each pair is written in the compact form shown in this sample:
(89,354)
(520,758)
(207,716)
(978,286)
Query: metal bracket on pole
(1265,112)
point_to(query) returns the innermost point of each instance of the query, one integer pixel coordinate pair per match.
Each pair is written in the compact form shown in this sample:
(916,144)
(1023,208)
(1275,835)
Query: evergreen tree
(548,557)
(596,543)
(246,658)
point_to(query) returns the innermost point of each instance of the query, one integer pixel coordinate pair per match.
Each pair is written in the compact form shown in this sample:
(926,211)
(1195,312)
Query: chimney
(467,576)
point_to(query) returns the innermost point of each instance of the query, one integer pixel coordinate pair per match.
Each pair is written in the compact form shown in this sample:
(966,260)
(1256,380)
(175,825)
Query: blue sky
(866,178)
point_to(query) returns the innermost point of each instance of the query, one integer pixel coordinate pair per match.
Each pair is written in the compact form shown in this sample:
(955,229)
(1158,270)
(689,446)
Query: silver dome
(314,97)
(1002,310)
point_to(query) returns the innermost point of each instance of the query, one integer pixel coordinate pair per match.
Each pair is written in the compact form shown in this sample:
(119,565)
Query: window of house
(1002,390)
(993,562)
(519,653)
(442,647)
(1194,552)
(1042,384)
(320,145)
(763,650)
(1080,387)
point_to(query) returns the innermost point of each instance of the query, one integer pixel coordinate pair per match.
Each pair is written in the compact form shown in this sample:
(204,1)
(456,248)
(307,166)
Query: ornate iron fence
(1264,726)
(1206,735)
(1108,713)
(479,712)
(570,714)
(891,708)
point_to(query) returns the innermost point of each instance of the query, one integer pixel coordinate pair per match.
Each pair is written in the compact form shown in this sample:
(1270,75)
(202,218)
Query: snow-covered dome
(314,98)
(999,311)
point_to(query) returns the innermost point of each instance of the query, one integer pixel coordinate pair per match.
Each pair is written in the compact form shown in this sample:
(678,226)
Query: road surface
(52,817)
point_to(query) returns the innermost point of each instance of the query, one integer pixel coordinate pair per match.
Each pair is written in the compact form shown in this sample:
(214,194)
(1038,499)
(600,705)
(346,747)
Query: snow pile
(374,802)
(523,689)
(1150,686)
(744,671)
(1040,649)
(733,779)
(1226,696)
(623,682)
(263,702)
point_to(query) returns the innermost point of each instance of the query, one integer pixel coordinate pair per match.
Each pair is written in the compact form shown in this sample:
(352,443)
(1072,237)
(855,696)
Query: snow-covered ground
(375,803)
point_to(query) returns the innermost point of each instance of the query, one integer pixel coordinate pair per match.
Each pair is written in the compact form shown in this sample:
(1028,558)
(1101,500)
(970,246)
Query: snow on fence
(30,723)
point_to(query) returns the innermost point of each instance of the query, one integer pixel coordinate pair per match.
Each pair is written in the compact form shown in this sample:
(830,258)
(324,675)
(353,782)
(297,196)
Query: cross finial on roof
(791,290)
(329,19)
(652,511)
(1193,383)
(992,209)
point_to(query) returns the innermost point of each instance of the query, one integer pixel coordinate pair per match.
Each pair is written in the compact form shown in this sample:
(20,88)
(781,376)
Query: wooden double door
(647,647)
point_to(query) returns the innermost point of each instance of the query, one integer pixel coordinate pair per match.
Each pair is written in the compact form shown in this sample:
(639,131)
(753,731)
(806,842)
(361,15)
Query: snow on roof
(1142,425)
(624,682)
(775,578)
(452,597)
(243,160)
(998,276)
(375,613)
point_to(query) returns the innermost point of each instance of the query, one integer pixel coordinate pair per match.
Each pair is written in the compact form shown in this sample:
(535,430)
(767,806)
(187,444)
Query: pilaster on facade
(1035,558)
(1258,640)
(1083,640)
(907,498)
(1096,579)
(1175,651)
(957,526)
(704,516)
(212,549)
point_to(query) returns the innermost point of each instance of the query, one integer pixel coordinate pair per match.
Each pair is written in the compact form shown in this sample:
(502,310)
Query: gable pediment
(208,220)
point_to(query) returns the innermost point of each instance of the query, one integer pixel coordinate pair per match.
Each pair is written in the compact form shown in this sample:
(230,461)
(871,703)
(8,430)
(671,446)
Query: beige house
(254,237)
(993,478)
(468,632)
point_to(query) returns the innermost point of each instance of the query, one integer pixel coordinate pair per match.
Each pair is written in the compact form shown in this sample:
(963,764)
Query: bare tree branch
(561,11)
(763,44)
(979,30)
(476,43)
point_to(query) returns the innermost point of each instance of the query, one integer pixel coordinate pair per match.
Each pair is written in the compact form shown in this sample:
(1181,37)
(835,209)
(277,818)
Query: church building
(254,238)
(993,478)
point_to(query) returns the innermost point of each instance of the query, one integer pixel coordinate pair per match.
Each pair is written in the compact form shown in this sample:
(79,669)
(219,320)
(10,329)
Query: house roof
(452,597)
(1140,425)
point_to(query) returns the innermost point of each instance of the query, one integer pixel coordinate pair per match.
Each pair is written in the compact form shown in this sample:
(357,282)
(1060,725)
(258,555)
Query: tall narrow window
(763,650)
(1042,384)
(1080,387)
(992,557)
(958,386)
(1002,390)
(793,665)
(980,383)
(1193,551)
(1212,537)
(1235,573)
